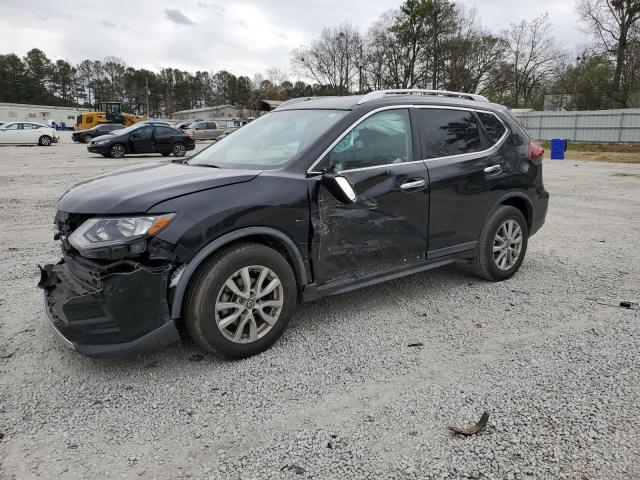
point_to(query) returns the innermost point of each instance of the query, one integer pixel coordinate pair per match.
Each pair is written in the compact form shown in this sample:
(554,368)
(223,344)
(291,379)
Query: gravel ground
(342,395)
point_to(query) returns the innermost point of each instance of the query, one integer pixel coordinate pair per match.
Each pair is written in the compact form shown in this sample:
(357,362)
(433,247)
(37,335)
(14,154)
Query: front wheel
(179,150)
(502,245)
(117,151)
(44,141)
(240,301)
(86,139)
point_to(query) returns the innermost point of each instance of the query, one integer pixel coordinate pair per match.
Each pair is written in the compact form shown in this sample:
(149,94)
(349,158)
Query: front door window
(382,139)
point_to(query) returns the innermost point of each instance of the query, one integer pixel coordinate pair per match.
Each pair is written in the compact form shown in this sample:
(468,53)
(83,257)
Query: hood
(137,189)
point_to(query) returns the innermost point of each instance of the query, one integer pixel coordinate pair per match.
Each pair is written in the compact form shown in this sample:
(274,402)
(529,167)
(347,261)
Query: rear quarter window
(493,127)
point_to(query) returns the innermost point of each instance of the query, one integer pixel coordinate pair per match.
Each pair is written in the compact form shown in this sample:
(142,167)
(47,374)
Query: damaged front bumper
(111,310)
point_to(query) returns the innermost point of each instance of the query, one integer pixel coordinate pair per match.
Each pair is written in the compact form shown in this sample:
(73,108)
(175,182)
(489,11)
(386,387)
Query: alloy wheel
(179,150)
(507,245)
(46,141)
(249,304)
(117,151)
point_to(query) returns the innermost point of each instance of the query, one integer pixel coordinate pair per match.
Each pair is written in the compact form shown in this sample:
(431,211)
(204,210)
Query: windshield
(271,140)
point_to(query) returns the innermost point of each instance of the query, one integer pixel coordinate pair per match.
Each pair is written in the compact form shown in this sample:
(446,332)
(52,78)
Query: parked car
(207,130)
(143,138)
(85,136)
(27,133)
(153,121)
(186,124)
(319,197)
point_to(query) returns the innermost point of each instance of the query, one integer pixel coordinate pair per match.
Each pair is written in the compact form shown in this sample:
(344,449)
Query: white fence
(601,126)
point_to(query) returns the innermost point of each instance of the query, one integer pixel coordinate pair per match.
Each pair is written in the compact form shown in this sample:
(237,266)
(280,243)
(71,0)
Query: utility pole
(360,72)
(146,91)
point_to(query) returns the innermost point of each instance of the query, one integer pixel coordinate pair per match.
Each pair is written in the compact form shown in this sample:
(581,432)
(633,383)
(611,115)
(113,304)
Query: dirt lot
(342,395)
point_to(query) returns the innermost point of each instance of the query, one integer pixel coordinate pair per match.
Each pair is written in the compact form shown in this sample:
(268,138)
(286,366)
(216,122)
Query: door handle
(493,170)
(413,184)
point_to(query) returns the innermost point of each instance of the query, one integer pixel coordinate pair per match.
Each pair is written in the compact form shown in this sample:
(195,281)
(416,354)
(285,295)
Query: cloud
(176,16)
(108,24)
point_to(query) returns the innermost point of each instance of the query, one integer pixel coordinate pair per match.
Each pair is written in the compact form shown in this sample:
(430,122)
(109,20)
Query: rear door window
(448,132)
(164,132)
(493,127)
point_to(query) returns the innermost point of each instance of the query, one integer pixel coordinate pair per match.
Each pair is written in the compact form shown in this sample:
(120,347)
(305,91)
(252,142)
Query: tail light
(535,150)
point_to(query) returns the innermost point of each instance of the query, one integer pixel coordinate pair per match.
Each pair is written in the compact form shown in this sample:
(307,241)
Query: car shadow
(409,290)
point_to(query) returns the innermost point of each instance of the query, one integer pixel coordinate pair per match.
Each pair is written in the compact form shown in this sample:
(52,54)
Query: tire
(179,150)
(117,150)
(209,289)
(44,140)
(86,139)
(501,264)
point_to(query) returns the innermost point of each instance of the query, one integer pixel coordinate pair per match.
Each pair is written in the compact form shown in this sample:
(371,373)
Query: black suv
(319,197)
(85,136)
(143,138)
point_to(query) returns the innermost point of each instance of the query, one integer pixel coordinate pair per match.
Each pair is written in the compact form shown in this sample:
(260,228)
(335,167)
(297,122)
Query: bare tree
(533,55)
(276,76)
(470,54)
(613,23)
(332,59)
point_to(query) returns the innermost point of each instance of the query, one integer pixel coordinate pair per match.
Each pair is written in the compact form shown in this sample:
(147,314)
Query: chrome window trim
(386,165)
(493,147)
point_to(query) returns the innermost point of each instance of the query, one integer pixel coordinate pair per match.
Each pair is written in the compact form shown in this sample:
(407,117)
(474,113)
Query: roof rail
(418,91)
(296,100)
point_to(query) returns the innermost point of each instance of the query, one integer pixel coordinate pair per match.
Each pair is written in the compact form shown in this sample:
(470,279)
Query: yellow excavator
(106,112)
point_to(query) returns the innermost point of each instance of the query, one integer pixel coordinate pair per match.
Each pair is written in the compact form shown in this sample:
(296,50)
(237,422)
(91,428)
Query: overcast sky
(243,37)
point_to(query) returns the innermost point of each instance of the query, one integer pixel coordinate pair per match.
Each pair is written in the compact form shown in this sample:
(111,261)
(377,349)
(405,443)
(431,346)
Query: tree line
(436,44)
(440,44)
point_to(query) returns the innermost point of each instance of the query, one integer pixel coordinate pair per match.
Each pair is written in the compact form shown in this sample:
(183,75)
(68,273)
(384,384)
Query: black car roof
(351,102)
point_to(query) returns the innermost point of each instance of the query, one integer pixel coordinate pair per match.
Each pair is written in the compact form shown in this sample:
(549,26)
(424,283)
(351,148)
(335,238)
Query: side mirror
(339,187)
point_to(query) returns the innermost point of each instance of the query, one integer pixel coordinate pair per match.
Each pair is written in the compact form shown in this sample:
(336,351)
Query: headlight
(106,232)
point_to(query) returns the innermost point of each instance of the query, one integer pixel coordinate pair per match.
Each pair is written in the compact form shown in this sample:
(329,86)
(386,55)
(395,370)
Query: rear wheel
(179,150)
(502,245)
(45,140)
(117,151)
(86,138)
(240,301)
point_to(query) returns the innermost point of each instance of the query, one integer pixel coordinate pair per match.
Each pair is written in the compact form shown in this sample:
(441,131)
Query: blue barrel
(558,148)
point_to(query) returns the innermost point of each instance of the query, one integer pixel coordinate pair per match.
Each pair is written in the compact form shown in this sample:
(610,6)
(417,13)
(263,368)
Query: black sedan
(85,136)
(143,138)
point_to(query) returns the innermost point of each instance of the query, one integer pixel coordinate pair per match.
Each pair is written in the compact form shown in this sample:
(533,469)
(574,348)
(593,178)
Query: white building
(15,112)
(218,112)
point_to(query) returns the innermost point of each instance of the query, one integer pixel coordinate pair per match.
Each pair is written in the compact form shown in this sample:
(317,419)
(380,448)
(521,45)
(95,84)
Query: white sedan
(27,133)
